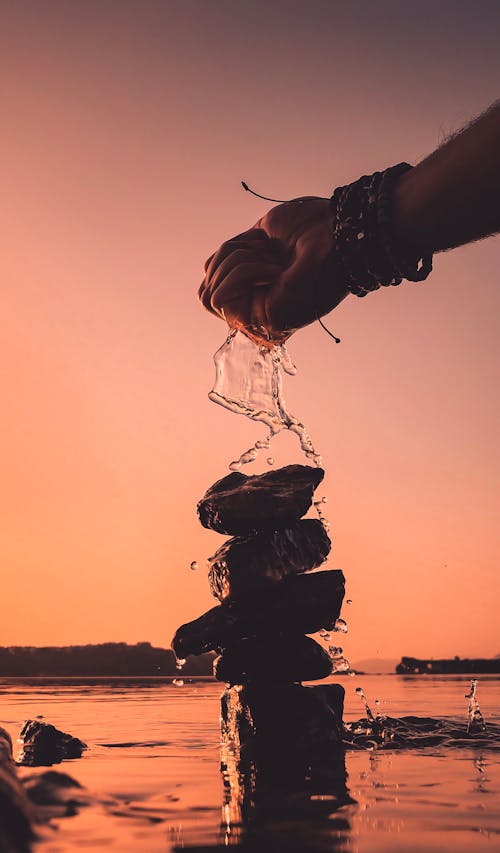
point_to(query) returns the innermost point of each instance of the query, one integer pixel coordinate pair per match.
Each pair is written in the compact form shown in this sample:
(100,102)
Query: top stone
(239,503)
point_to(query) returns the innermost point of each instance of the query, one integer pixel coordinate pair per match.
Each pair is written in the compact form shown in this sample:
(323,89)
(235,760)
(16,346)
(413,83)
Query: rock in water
(299,604)
(283,766)
(16,812)
(248,564)
(273,716)
(44,745)
(238,503)
(273,659)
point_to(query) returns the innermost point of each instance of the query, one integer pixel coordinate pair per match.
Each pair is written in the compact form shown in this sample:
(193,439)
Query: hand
(271,280)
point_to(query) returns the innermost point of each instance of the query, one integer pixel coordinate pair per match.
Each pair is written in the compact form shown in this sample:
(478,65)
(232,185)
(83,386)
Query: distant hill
(447,666)
(374,666)
(98,660)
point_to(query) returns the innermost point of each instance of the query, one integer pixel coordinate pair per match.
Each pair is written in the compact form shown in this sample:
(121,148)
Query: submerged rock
(16,813)
(238,503)
(248,564)
(299,604)
(273,659)
(44,745)
(278,715)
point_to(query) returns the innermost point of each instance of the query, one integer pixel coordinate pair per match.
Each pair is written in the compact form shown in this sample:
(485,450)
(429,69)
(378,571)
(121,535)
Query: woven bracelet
(364,245)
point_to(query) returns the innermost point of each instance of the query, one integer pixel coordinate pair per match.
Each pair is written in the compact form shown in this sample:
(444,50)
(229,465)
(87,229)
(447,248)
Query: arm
(453,196)
(275,277)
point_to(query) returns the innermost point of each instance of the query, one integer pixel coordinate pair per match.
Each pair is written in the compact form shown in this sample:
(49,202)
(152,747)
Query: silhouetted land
(98,660)
(418,666)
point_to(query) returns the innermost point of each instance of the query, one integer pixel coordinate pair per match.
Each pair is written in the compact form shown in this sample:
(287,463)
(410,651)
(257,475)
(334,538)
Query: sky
(127,127)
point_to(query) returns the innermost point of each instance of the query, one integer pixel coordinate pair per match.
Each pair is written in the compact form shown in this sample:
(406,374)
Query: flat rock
(245,565)
(300,604)
(239,503)
(273,659)
(44,745)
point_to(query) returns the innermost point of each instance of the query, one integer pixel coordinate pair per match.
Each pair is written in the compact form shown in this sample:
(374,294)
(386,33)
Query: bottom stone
(272,717)
(273,659)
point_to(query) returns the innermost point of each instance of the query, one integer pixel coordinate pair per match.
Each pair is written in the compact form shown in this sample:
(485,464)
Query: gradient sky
(126,129)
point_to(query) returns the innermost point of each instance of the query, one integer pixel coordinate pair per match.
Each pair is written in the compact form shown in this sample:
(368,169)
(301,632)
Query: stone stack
(268,602)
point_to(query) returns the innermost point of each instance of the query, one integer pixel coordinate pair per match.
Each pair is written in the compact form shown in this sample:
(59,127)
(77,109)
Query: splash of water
(249,381)
(369,713)
(476,721)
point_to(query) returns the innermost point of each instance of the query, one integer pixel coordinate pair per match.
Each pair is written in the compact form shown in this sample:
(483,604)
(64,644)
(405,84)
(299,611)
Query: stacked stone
(268,600)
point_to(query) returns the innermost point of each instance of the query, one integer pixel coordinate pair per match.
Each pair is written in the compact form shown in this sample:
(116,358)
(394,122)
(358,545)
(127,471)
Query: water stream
(249,381)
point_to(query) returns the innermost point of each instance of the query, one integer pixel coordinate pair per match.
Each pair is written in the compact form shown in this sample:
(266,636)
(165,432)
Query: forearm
(453,196)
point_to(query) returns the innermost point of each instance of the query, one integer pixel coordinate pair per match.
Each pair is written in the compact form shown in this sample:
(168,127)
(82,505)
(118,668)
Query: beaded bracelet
(364,245)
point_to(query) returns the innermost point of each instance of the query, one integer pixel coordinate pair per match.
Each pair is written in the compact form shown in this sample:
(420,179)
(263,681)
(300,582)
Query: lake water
(153,769)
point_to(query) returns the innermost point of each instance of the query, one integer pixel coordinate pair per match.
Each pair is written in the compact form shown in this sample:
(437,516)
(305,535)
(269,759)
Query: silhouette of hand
(271,280)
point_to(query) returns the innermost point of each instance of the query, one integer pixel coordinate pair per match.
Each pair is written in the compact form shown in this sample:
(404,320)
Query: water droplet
(180,663)
(348,601)
(194,566)
(341,626)
(270,460)
(235,466)
(324,500)
(324,634)
(352,673)
(179,682)
(335,651)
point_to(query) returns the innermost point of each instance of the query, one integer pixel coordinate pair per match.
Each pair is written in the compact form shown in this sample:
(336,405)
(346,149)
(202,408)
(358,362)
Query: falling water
(179,663)
(475,718)
(249,381)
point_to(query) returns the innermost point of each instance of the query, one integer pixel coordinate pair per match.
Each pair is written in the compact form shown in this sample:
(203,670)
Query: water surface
(154,768)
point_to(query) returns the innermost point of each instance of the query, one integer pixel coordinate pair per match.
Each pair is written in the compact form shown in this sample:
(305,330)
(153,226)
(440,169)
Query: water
(476,722)
(249,381)
(153,769)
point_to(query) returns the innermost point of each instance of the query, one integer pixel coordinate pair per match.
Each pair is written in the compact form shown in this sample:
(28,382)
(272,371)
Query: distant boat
(420,666)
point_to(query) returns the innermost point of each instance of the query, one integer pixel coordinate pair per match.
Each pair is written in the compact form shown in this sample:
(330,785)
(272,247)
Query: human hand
(274,278)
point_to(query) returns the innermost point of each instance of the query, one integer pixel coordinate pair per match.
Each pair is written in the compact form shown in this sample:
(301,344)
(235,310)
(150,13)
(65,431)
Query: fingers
(249,260)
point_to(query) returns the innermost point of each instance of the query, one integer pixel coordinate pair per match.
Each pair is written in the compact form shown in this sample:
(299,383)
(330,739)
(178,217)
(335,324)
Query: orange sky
(126,128)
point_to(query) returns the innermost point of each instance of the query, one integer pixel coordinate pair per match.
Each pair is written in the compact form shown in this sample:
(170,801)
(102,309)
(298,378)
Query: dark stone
(283,768)
(238,503)
(55,794)
(248,564)
(301,604)
(273,659)
(44,745)
(16,813)
(275,715)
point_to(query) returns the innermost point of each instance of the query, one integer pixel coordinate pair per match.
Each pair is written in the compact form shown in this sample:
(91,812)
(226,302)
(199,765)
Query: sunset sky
(126,130)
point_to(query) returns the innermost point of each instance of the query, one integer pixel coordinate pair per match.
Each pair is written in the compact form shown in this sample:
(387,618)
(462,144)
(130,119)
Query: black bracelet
(364,245)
